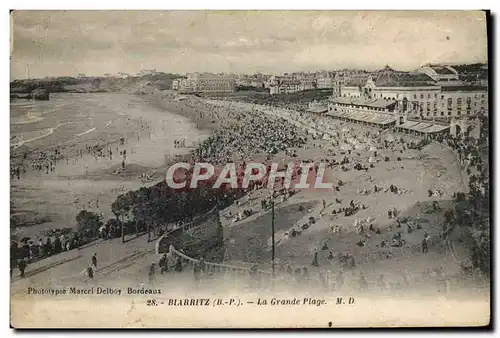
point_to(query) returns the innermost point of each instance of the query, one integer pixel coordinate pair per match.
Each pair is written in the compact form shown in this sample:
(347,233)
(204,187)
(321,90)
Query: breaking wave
(86,132)
(19,140)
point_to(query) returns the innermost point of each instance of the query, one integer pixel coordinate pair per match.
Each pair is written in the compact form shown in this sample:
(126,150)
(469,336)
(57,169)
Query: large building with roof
(419,95)
(417,102)
(364,110)
(207,82)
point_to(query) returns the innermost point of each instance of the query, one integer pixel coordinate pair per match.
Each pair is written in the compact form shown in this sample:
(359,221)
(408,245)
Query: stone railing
(196,222)
(324,280)
(217,267)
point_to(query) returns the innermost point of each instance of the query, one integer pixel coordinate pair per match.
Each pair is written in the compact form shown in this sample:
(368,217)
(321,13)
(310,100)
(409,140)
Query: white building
(420,95)
(439,73)
(285,87)
(207,82)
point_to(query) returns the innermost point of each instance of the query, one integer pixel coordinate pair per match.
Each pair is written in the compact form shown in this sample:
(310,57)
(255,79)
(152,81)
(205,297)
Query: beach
(248,239)
(86,181)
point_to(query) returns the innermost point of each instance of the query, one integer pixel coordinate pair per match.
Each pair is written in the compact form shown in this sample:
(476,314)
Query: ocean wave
(86,132)
(63,124)
(19,140)
(26,119)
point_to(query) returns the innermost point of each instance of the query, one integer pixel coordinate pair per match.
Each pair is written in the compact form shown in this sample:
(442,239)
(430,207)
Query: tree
(120,207)
(88,224)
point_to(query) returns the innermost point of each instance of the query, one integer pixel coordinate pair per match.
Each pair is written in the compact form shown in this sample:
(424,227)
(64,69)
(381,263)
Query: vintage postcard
(249,169)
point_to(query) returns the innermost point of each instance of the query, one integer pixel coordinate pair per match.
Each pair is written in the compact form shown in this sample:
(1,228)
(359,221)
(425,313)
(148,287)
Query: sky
(65,43)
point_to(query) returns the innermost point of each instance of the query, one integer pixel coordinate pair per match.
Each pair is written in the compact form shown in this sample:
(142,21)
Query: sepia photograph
(250,169)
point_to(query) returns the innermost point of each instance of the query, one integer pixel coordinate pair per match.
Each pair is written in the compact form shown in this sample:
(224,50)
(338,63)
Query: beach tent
(346,146)
(389,138)
(372,159)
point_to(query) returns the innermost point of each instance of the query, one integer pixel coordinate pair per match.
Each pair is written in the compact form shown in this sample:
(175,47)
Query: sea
(71,120)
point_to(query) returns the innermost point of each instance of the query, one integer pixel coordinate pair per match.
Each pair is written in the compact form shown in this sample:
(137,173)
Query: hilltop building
(206,82)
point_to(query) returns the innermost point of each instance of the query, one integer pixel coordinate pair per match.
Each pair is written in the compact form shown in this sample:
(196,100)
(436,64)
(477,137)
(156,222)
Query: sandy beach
(87,182)
(252,234)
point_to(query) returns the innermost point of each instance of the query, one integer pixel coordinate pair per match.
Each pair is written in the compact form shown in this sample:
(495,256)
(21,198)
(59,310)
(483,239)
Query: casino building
(428,101)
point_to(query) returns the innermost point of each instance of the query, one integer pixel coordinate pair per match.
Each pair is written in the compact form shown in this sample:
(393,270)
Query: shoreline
(161,101)
(101,183)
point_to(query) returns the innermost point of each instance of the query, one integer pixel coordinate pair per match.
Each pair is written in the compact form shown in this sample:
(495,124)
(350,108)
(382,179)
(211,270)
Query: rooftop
(366,117)
(356,80)
(400,79)
(361,101)
(423,127)
(441,70)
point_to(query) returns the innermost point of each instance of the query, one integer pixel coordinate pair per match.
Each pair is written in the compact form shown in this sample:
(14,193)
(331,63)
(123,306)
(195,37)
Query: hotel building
(428,101)
(207,82)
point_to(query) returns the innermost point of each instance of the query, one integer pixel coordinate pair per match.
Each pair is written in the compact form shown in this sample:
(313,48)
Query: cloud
(98,42)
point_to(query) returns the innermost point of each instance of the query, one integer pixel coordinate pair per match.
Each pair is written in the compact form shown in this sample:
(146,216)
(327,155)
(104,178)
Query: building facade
(419,95)
(285,87)
(207,82)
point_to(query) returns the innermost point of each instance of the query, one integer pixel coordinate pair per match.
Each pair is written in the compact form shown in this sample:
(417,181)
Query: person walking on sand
(90,272)
(22,267)
(425,243)
(151,274)
(163,264)
(94,260)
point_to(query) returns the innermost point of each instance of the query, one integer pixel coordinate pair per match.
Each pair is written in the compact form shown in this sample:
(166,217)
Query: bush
(88,224)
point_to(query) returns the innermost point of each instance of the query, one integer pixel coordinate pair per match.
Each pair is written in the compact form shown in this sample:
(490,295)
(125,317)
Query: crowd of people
(251,134)
(350,141)
(27,250)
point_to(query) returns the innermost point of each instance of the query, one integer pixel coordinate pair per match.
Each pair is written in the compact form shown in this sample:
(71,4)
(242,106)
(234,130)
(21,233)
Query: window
(482,96)
(435,96)
(435,113)
(442,113)
(459,112)
(459,101)
(428,96)
(435,106)
(421,96)
(414,96)
(449,103)
(442,97)
(428,113)
(449,113)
